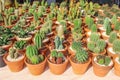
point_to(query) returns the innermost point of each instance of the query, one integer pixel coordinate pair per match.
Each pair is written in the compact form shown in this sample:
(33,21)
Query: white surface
(6,74)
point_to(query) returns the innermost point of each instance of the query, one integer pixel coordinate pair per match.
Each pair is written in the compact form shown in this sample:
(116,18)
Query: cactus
(76,45)
(96,50)
(91,45)
(94,37)
(20,44)
(117,26)
(114,19)
(53,53)
(101,45)
(89,21)
(38,40)
(113,36)
(116,46)
(103,60)
(2,51)
(81,56)
(58,43)
(94,28)
(13,53)
(107,26)
(16,4)
(31,50)
(60,55)
(60,31)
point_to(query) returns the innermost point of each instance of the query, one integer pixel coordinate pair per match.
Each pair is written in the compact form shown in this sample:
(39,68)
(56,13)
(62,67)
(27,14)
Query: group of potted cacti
(38,34)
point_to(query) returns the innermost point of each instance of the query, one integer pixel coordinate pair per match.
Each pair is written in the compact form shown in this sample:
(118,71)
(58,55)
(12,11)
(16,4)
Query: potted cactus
(57,62)
(14,60)
(80,61)
(117,65)
(74,47)
(102,64)
(115,49)
(2,53)
(107,27)
(97,47)
(93,37)
(113,36)
(34,61)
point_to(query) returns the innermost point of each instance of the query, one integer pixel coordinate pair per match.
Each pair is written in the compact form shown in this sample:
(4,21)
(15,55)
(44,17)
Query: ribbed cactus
(91,45)
(13,53)
(94,28)
(60,31)
(103,60)
(53,53)
(38,40)
(113,36)
(114,19)
(116,46)
(101,44)
(89,21)
(94,37)
(31,50)
(81,56)
(76,45)
(58,43)
(20,44)
(117,26)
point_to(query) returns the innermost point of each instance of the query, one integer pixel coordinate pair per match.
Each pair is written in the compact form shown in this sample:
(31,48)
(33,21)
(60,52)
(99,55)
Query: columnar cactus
(117,26)
(94,37)
(113,36)
(116,46)
(94,28)
(38,40)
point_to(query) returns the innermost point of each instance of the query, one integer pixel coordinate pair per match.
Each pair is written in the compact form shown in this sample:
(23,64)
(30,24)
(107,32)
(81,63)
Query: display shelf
(6,74)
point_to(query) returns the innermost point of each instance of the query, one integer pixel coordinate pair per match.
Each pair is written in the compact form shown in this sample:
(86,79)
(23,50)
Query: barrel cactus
(94,37)
(113,36)
(116,46)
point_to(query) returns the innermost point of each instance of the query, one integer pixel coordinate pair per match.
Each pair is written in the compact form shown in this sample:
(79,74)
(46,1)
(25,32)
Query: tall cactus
(38,40)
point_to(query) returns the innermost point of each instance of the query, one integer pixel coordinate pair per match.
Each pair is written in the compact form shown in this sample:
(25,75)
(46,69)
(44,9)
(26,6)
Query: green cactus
(113,36)
(96,50)
(116,46)
(117,26)
(94,37)
(76,45)
(60,55)
(53,53)
(107,26)
(58,43)
(13,53)
(31,50)
(91,45)
(81,56)
(101,44)
(20,44)
(89,21)
(114,19)
(94,28)
(38,40)
(60,31)
(103,60)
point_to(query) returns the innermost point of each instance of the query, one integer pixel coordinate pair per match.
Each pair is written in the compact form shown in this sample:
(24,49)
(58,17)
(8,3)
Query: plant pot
(104,36)
(57,68)
(117,66)
(111,53)
(2,63)
(102,53)
(6,47)
(71,51)
(100,70)
(79,68)
(36,69)
(15,66)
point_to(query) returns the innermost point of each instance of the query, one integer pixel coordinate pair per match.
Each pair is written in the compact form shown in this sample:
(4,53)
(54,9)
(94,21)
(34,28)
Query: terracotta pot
(57,68)
(95,54)
(116,67)
(109,44)
(6,47)
(79,68)
(99,70)
(14,66)
(43,50)
(105,37)
(36,69)
(99,25)
(111,54)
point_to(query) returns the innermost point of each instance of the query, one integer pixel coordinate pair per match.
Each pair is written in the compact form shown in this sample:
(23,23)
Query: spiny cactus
(13,53)
(116,46)
(117,26)
(31,50)
(113,36)
(38,40)
(58,43)
(101,44)
(103,60)
(76,45)
(60,31)
(91,45)
(20,44)
(53,53)
(81,56)
(114,19)
(60,55)
(89,21)
(94,28)
(94,37)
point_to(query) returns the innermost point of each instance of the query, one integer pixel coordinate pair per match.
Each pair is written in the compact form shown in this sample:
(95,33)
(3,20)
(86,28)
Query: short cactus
(94,37)
(116,46)
(91,45)
(81,56)
(13,53)
(117,26)
(113,36)
(60,55)
(20,44)
(94,28)
(114,19)
(53,53)
(76,45)
(89,21)
(101,44)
